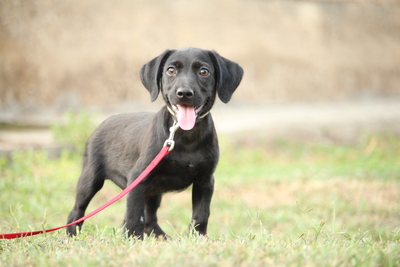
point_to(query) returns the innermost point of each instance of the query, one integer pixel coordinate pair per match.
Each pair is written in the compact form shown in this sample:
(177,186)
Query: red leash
(168,146)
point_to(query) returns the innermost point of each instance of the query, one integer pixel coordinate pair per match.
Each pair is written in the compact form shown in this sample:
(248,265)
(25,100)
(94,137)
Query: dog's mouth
(187,115)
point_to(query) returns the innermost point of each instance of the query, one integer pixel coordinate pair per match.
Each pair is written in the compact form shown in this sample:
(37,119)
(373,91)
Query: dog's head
(189,80)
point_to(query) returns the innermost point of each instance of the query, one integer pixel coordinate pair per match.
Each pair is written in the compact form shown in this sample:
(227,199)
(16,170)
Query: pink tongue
(186,117)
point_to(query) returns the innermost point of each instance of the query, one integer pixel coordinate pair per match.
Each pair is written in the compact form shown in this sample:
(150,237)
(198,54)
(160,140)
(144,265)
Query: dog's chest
(191,166)
(177,173)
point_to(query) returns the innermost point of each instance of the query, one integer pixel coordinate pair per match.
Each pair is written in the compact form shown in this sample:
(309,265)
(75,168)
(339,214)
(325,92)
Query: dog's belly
(163,184)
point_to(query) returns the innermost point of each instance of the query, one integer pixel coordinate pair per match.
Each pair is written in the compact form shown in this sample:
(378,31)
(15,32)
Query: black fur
(123,145)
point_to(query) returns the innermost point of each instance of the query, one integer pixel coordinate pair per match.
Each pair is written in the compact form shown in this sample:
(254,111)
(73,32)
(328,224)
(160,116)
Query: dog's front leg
(201,199)
(134,218)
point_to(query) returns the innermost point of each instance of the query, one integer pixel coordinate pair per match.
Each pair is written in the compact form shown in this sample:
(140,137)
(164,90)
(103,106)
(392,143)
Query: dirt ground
(337,122)
(334,122)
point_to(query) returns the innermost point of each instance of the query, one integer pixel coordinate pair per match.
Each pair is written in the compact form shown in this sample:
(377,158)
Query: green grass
(275,204)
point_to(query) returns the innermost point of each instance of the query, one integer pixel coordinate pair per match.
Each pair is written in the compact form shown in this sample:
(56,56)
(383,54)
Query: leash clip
(170,141)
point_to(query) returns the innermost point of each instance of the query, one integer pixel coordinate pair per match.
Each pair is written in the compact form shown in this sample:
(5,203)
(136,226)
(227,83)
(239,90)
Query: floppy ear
(228,76)
(151,74)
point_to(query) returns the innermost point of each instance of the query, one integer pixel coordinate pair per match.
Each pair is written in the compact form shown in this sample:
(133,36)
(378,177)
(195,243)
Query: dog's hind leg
(90,182)
(152,203)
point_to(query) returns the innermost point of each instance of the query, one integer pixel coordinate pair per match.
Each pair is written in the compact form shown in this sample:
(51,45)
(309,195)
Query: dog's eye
(204,72)
(171,71)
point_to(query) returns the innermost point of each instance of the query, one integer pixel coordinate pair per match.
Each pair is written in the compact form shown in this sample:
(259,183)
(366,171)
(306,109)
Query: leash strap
(164,151)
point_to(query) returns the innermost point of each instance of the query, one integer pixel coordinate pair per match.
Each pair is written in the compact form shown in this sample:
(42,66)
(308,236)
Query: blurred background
(315,123)
(72,55)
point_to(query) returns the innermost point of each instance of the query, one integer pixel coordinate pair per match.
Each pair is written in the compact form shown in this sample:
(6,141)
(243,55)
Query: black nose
(185,93)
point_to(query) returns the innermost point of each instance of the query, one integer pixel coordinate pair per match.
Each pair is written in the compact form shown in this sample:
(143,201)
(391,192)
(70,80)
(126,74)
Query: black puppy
(122,146)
